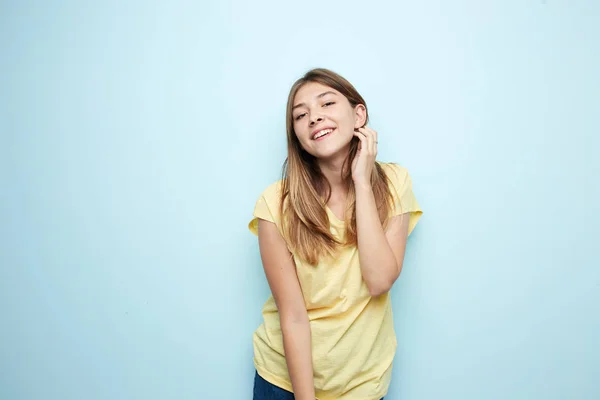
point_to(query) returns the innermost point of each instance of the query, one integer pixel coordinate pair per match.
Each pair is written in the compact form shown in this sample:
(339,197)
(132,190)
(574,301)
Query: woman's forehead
(312,90)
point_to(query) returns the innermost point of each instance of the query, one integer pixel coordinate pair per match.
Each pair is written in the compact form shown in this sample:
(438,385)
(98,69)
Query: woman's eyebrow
(318,97)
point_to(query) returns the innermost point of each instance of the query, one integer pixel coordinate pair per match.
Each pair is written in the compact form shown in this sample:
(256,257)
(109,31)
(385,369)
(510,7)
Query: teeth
(323,133)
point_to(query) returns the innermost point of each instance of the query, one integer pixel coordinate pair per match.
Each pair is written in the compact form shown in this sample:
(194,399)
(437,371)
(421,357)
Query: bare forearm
(298,354)
(377,262)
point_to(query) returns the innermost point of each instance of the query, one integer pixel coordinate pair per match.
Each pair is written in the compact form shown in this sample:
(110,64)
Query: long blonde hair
(305,191)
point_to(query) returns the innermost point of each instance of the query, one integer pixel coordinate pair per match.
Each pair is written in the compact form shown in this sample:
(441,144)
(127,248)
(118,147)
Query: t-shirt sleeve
(266,208)
(405,201)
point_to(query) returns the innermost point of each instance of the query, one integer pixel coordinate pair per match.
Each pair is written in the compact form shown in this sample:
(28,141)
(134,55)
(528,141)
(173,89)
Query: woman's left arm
(381,253)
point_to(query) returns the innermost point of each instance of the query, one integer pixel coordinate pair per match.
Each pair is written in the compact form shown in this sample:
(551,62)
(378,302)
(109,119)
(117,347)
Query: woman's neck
(332,171)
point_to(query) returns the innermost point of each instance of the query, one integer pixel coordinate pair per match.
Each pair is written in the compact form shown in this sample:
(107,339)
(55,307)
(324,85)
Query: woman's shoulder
(267,206)
(390,165)
(272,193)
(395,172)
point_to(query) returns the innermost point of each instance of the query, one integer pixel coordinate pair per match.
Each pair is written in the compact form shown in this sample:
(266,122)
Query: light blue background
(136,137)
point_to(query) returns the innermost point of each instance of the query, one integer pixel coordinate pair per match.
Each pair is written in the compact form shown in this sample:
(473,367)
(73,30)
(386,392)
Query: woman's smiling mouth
(319,135)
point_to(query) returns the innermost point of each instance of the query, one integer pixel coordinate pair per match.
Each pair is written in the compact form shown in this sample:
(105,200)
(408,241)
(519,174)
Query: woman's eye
(300,116)
(329,103)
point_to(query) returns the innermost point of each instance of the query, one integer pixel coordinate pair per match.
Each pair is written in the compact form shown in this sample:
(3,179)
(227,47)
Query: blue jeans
(264,390)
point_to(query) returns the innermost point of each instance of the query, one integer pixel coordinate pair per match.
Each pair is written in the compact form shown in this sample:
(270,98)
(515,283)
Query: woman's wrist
(362,186)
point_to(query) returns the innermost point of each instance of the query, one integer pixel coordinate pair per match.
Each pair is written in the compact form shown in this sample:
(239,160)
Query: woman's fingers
(371,137)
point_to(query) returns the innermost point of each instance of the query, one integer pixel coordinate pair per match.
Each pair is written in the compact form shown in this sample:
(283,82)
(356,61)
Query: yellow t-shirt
(353,337)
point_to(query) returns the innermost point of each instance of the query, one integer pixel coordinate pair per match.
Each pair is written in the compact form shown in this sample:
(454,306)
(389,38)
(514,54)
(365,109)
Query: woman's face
(324,120)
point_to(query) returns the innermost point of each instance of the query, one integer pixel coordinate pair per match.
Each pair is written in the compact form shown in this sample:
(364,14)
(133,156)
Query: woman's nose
(315,119)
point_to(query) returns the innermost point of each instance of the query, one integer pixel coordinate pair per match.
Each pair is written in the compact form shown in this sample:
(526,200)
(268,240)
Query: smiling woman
(332,235)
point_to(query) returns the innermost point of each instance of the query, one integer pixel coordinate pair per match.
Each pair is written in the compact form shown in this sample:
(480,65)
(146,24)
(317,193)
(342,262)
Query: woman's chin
(333,153)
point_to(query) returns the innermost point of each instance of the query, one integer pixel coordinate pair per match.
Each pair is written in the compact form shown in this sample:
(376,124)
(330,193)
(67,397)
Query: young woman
(332,235)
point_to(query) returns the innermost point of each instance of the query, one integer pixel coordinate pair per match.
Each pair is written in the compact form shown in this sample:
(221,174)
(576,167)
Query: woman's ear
(360,116)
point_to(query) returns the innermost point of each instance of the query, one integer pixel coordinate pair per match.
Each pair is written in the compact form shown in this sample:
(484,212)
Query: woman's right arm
(280,271)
